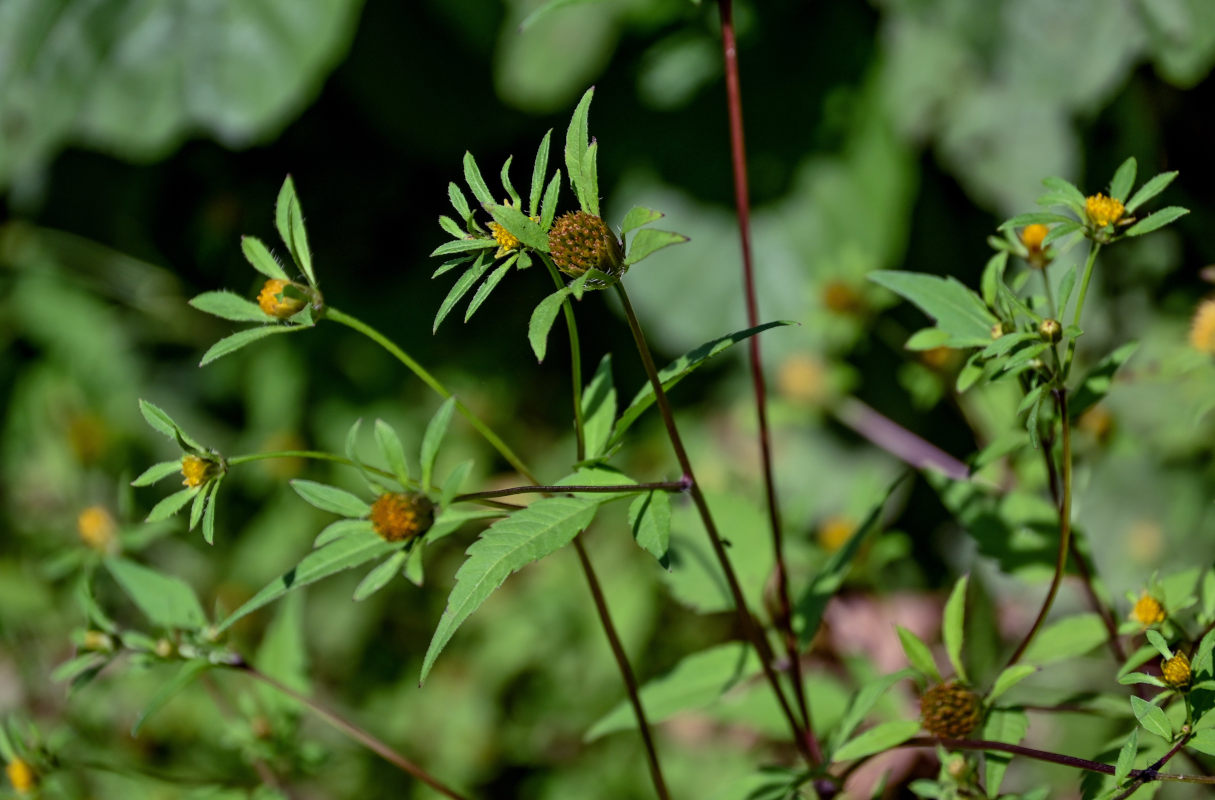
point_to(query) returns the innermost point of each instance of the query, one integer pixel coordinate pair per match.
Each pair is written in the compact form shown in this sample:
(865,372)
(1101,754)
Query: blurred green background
(139,140)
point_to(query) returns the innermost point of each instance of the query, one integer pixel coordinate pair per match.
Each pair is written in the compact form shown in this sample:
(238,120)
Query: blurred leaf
(170,505)
(1203,740)
(230,344)
(876,739)
(1096,384)
(952,624)
(331,498)
(392,451)
(1067,638)
(455,480)
(543,317)
(436,429)
(157,472)
(1124,179)
(168,602)
(184,677)
(599,409)
(1156,220)
(340,529)
(1149,190)
(1009,678)
(956,309)
(283,655)
(650,519)
(379,577)
(862,702)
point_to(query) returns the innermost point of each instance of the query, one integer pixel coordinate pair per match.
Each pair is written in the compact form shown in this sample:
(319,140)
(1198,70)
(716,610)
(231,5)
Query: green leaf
(340,529)
(414,568)
(676,371)
(1157,641)
(472,176)
(1007,725)
(650,520)
(876,739)
(1149,190)
(283,655)
(289,219)
(637,217)
(538,169)
(460,288)
(1067,638)
(599,409)
(170,505)
(330,498)
(260,258)
(208,519)
(646,243)
(1009,678)
(162,422)
(508,545)
(952,624)
(1097,383)
(157,472)
(436,429)
(168,602)
(80,669)
(452,227)
(379,577)
(1126,757)
(392,451)
(488,286)
(548,207)
(1034,218)
(590,179)
(452,518)
(345,553)
(1152,718)
(455,479)
(508,186)
(956,309)
(230,344)
(463,246)
(200,502)
(231,306)
(517,224)
(1124,179)
(918,654)
(1156,221)
(184,677)
(543,317)
(576,137)
(926,339)
(695,682)
(993,276)
(1075,196)
(1203,741)
(862,702)
(459,202)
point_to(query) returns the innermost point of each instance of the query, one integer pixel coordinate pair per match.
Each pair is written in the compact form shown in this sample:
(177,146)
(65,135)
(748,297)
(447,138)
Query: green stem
(627,488)
(805,740)
(316,455)
(417,369)
(571,325)
(1084,281)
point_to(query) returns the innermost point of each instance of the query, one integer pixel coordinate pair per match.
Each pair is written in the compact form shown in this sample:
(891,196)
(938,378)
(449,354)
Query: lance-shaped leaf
(518,225)
(230,344)
(876,739)
(330,498)
(1156,221)
(461,287)
(472,176)
(392,451)
(576,141)
(260,258)
(956,309)
(637,217)
(1124,179)
(543,317)
(1149,190)
(436,429)
(1007,725)
(159,420)
(489,285)
(599,409)
(1096,384)
(538,169)
(650,519)
(522,538)
(167,601)
(231,306)
(157,472)
(289,219)
(861,704)
(952,624)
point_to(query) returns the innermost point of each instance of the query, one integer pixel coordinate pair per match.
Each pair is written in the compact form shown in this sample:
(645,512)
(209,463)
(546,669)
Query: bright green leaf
(645,243)
(599,409)
(1152,718)
(638,217)
(538,169)
(956,309)
(876,739)
(230,306)
(260,258)
(379,577)
(576,141)
(472,176)
(1068,638)
(1009,678)
(167,601)
(650,520)
(330,498)
(1149,190)
(170,505)
(1156,221)
(543,317)
(230,344)
(952,625)
(436,429)
(340,529)
(1126,757)
(157,472)
(1124,179)
(918,654)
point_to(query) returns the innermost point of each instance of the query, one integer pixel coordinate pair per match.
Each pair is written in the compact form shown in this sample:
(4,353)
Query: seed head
(401,515)
(1147,611)
(97,529)
(950,710)
(21,775)
(1202,329)
(579,241)
(196,471)
(274,300)
(1102,210)
(1176,671)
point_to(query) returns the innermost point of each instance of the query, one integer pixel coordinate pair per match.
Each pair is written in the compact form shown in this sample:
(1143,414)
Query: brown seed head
(950,710)
(579,241)
(397,516)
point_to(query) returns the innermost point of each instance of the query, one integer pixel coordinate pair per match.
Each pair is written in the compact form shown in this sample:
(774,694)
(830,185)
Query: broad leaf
(637,217)
(542,321)
(167,601)
(1067,638)
(528,233)
(956,309)
(1152,718)
(646,243)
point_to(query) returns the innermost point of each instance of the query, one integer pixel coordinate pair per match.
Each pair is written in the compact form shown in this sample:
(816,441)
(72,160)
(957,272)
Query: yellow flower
(97,528)
(834,531)
(1102,210)
(1032,236)
(196,471)
(1202,329)
(803,379)
(842,298)
(1147,611)
(400,516)
(21,775)
(1176,671)
(507,243)
(277,304)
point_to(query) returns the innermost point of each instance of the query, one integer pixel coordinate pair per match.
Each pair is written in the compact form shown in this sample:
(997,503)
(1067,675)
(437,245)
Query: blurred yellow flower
(21,775)
(97,528)
(1202,329)
(1148,611)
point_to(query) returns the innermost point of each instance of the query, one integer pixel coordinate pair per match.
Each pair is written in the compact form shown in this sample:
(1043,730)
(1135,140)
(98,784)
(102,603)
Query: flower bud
(1032,237)
(196,471)
(1176,671)
(401,515)
(950,710)
(1050,330)
(579,241)
(98,641)
(1102,210)
(275,300)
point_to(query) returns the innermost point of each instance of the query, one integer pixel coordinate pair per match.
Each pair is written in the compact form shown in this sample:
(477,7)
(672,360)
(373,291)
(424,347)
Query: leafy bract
(230,344)
(289,219)
(543,317)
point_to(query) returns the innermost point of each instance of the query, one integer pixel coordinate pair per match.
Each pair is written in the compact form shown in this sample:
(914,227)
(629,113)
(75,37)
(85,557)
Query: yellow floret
(1176,671)
(1202,329)
(196,471)
(1148,611)
(21,775)
(1102,210)
(96,528)
(1032,236)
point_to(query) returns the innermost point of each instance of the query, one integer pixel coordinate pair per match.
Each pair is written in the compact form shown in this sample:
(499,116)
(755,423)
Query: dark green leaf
(918,654)
(436,429)
(1124,179)
(1157,220)
(330,498)
(650,519)
(508,186)
(231,306)
(952,624)
(1126,756)
(230,344)
(876,739)
(518,225)
(1149,190)
(862,702)
(170,505)
(461,287)
(461,246)
(259,257)
(576,137)
(379,577)
(167,601)
(489,285)
(645,243)
(538,169)
(1007,725)
(472,176)
(455,479)
(955,308)
(184,677)
(543,317)
(340,529)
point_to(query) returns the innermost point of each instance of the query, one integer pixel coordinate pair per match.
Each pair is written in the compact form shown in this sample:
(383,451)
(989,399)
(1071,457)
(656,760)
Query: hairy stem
(356,733)
(805,740)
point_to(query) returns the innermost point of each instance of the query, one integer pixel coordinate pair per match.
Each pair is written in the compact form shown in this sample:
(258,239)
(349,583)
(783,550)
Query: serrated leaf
(695,682)
(637,217)
(955,308)
(590,179)
(952,625)
(1149,190)
(541,322)
(230,344)
(507,185)
(451,227)
(918,654)
(576,141)
(460,288)
(436,429)
(170,505)
(379,577)
(598,409)
(862,702)
(650,520)
(507,546)
(1156,221)
(548,206)
(390,448)
(538,169)
(518,225)
(459,202)
(341,529)
(230,306)
(330,498)
(343,554)
(1126,757)
(1068,638)
(1124,179)
(876,739)
(167,601)
(472,176)
(184,677)
(1152,718)
(259,257)
(677,370)
(1007,725)
(1009,678)
(1097,383)
(488,286)
(157,472)
(645,243)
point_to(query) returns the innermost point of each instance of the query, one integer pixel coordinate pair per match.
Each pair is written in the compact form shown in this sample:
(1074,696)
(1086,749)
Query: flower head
(97,528)
(1176,671)
(397,516)
(834,531)
(21,775)
(579,241)
(1102,210)
(196,471)
(1202,329)
(842,297)
(1147,611)
(274,300)
(950,710)
(1032,236)
(1050,330)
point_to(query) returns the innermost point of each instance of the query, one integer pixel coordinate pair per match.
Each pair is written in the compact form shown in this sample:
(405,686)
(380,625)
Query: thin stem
(356,733)
(622,660)
(742,204)
(1065,526)
(1071,341)
(571,325)
(428,379)
(805,740)
(627,488)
